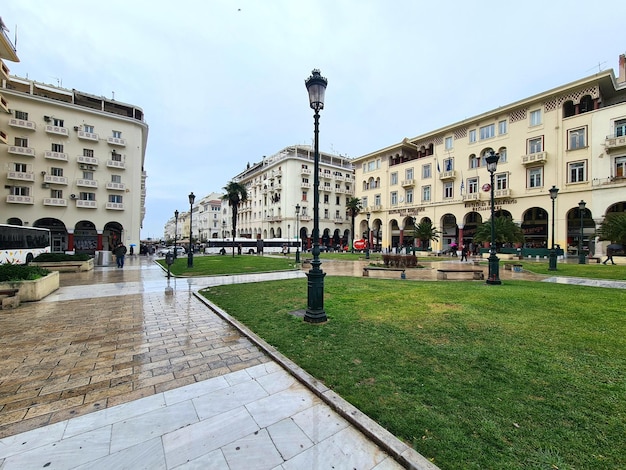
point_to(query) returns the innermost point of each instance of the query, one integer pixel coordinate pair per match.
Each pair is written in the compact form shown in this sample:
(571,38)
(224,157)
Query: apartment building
(279,183)
(572,137)
(209,221)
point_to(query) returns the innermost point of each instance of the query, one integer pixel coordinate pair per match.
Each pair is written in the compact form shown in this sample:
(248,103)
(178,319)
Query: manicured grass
(522,375)
(593,271)
(218,265)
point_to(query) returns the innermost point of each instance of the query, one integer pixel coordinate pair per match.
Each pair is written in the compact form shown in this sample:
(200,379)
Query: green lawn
(218,265)
(522,375)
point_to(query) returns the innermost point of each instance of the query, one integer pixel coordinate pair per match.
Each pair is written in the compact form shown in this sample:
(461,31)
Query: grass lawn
(522,375)
(594,271)
(218,265)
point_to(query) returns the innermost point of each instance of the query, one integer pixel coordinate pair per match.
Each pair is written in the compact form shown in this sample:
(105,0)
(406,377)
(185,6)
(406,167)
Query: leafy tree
(425,232)
(235,193)
(613,228)
(506,231)
(354,207)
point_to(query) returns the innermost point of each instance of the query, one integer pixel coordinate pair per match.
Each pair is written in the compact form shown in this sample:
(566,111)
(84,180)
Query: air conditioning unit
(82,166)
(72,196)
(45,185)
(76,128)
(46,118)
(91,167)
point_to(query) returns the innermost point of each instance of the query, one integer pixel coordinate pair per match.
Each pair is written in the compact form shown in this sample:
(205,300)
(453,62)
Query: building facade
(279,183)
(74,163)
(572,137)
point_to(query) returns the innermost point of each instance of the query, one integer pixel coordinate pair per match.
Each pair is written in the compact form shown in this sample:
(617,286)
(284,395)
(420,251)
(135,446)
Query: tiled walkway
(112,372)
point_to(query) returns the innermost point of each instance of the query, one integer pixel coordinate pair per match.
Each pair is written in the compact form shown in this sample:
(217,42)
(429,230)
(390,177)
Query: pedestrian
(609,256)
(120,252)
(464,252)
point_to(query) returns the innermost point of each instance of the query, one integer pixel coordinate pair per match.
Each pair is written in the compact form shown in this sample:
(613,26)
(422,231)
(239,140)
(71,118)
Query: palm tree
(505,231)
(613,228)
(353,207)
(235,193)
(425,232)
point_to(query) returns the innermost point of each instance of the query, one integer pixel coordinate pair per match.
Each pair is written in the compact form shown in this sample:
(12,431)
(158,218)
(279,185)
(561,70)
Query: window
(115,198)
(576,138)
(502,181)
(325,198)
(503,157)
(88,175)
(409,196)
(326,213)
(448,190)
(54,171)
(535,145)
(426,193)
(577,172)
(448,164)
(88,153)
(304,194)
(305,180)
(116,157)
(620,167)
(337,200)
(87,196)
(449,143)
(535,117)
(426,171)
(487,132)
(409,173)
(377,199)
(116,178)
(472,136)
(20,191)
(394,198)
(57,148)
(472,185)
(117,134)
(364,202)
(21,115)
(474,161)
(56,193)
(394,178)
(620,128)
(88,128)
(502,127)
(57,122)
(535,177)
(19,167)
(371,166)
(20,142)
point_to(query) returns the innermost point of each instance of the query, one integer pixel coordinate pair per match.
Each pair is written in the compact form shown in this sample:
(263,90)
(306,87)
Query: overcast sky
(221,82)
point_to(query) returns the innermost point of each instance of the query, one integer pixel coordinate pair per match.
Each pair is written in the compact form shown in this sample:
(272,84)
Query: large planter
(34,290)
(65,266)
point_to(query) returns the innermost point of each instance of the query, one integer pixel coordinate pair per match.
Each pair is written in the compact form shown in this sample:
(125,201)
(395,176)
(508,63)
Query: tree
(235,193)
(613,228)
(506,231)
(353,207)
(425,232)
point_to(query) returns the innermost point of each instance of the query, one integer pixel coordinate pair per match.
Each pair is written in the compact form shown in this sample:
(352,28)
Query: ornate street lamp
(175,231)
(581,254)
(297,233)
(316,86)
(552,266)
(192,198)
(494,266)
(367,242)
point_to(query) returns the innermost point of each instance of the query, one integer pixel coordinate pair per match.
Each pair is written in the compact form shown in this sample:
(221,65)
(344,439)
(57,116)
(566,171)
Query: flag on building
(438,167)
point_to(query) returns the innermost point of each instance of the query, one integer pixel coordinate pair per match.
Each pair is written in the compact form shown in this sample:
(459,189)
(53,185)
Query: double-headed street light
(316,86)
(581,254)
(192,198)
(367,242)
(494,267)
(297,233)
(552,265)
(175,231)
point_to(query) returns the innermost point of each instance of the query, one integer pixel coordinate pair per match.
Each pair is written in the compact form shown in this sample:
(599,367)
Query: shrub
(21,272)
(399,261)
(56,257)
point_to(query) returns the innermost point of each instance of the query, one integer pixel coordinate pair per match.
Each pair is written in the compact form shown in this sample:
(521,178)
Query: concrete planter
(66,266)
(31,291)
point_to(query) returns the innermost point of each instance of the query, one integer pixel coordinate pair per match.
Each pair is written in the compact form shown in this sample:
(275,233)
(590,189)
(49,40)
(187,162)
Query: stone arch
(535,222)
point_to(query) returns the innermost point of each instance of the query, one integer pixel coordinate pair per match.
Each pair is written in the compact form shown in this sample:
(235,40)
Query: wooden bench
(367,269)
(442,274)
(9,298)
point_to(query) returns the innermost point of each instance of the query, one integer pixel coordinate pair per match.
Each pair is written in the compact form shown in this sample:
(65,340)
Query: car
(170,249)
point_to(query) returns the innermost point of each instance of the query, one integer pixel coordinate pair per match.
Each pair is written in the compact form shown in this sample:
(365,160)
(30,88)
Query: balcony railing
(53,201)
(116,141)
(116,186)
(13,199)
(613,142)
(471,196)
(86,183)
(17,150)
(55,155)
(21,175)
(86,204)
(57,130)
(3,137)
(22,123)
(534,158)
(87,160)
(52,179)
(447,175)
(305,218)
(87,135)
(116,164)
(377,208)
(339,220)
(305,171)
(4,104)
(305,185)
(501,192)
(116,206)
(408,183)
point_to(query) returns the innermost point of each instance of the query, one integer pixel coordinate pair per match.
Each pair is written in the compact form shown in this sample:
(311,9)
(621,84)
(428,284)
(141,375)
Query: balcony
(116,186)
(13,199)
(305,185)
(53,201)
(22,124)
(86,204)
(116,164)
(51,179)
(534,158)
(87,160)
(502,193)
(305,171)
(305,218)
(116,206)
(339,220)
(87,135)
(447,175)
(4,71)
(327,188)
(21,176)
(4,104)
(326,174)
(3,137)
(472,197)
(408,183)
(55,155)
(614,142)
(86,183)
(376,208)
(57,130)
(116,141)
(25,151)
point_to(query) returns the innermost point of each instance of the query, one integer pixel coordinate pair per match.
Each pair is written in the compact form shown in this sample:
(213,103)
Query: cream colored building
(280,182)
(74,163)
(572,137)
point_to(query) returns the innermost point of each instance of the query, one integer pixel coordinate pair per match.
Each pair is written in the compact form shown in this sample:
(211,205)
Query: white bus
(251,246)
(19,245)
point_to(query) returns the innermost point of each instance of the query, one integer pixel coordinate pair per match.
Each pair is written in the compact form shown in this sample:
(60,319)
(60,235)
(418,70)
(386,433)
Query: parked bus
(250,245)
(19,245)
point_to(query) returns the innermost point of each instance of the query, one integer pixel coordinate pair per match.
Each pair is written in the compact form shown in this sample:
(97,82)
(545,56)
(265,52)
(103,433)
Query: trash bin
(103,258)
(517,268)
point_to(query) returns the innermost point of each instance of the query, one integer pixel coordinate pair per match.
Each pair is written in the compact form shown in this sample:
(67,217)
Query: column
(70,239)
(99,242)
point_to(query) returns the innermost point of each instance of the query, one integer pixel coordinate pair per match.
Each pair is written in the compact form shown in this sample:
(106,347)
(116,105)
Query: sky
(221,82)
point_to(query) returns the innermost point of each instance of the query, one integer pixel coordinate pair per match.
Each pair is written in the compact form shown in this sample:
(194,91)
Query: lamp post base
(190,260)
(297,255)
(315,304)
(552,260)
(581,259)
(494,270)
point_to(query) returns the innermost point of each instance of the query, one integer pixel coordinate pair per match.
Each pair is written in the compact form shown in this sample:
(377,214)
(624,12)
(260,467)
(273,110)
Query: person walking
(609,256)
(120,252)
(464,252)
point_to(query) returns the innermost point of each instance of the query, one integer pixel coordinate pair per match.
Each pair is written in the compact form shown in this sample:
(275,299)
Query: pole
(297,235)
(581,254)
(494,268)
(190,255)
(553,256)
